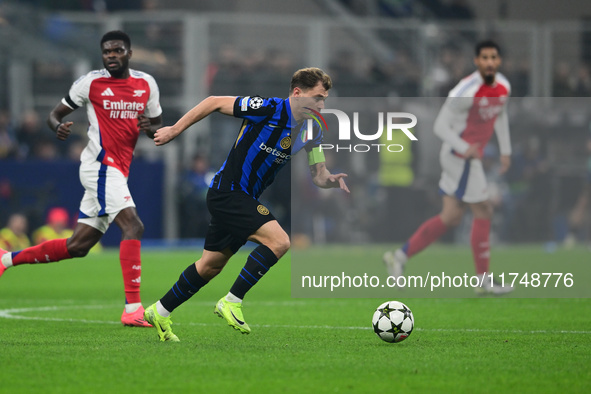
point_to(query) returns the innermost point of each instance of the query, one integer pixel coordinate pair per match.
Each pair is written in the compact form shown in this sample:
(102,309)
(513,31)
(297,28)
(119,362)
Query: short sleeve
(153,108)
(78,94)
(254,108)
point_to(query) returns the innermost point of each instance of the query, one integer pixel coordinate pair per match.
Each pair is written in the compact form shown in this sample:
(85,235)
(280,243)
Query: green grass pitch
(60,333)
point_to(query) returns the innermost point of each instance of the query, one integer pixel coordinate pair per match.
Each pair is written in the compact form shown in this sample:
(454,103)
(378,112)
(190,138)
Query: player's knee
(281,245)
(135,230)
(208,273)
(209,269)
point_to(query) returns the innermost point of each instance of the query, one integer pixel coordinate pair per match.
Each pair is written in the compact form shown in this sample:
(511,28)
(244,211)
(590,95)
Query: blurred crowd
(17,234)
(266,72)
(30,138)
(571,80)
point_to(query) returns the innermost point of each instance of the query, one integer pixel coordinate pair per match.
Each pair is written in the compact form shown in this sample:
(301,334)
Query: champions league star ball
(393,321)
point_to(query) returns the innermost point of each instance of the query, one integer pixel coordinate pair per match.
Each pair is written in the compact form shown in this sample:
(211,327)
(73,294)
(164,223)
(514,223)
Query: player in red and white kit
(473,111)
(120,103)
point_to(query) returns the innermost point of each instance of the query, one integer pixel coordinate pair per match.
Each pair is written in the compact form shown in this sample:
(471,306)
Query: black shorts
(234,217)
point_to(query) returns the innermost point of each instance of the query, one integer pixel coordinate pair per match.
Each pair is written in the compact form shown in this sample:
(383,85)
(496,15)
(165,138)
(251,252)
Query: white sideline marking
(14,314)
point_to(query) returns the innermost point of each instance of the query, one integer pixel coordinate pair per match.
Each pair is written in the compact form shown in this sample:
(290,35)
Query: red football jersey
(112,106)
(477,106)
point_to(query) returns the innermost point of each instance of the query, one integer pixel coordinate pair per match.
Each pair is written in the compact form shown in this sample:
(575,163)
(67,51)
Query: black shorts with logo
(234,217)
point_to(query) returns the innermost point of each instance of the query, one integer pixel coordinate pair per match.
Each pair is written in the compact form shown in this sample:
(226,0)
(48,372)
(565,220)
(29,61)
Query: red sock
(131,267)
(479,239)
(46,252)
(429,232)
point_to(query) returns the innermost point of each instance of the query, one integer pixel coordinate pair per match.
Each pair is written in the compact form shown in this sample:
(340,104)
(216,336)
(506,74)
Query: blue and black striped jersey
(265,143)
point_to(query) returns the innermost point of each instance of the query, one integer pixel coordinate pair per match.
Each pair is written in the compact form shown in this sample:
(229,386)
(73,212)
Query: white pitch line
(10,313)
(13,314)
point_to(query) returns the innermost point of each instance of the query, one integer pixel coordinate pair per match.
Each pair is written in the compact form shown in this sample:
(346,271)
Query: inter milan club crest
(285,142)
(263,210)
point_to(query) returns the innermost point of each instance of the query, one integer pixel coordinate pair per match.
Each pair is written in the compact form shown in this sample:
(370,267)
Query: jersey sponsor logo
(123,105)
(107,92)
(256,102)
(123,109)
(138,93)
(490,112)
(262,210)
(281,156)
(285,142)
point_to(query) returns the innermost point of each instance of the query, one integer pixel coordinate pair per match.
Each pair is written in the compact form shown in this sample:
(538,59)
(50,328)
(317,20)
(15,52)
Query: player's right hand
(63,130)
(164,135)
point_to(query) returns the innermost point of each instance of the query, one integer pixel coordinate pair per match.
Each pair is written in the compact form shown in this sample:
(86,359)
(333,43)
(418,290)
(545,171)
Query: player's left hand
(338,179)
(505,163)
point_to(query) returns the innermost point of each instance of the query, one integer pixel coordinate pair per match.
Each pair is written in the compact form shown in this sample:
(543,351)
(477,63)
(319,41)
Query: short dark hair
(307,78)
(487,44)
(116,35)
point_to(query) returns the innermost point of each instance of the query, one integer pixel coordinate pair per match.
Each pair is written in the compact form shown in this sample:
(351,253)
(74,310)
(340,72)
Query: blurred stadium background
(375,48)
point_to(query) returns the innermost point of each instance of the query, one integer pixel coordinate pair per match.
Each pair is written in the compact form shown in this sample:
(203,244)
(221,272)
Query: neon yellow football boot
(232,312)
(162,324)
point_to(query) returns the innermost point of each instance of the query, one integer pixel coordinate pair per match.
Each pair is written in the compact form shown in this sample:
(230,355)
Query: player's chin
(115,68)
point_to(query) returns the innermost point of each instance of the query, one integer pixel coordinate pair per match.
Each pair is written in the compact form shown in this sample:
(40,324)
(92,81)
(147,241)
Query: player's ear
(129,53)
(297,92)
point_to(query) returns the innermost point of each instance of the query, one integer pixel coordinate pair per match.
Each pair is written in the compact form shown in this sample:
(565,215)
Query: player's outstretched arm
(324,179)
(222,104)
(54,121)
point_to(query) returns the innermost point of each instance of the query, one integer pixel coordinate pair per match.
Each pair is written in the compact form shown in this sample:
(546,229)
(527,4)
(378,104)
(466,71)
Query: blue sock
(257,265)
(188,284)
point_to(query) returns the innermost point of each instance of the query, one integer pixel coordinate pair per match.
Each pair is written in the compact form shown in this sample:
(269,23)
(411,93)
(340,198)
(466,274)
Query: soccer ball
(393,321)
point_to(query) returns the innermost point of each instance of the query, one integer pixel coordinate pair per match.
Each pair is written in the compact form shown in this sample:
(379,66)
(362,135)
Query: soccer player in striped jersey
(273,130)
(120,103)
(473,111)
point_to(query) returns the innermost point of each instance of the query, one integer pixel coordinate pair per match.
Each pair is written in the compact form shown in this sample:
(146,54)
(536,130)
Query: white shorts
(105,195)
(462,179)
